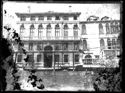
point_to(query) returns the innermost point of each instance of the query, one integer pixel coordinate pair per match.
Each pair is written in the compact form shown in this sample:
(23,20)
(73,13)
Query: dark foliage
(3,83)
(17,86)
(32,77)
(111,79)
(26,59)
(7,28)
(5,50)
(41,86)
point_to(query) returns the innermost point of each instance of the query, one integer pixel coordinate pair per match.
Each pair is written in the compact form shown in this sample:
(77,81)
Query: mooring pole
(73,61)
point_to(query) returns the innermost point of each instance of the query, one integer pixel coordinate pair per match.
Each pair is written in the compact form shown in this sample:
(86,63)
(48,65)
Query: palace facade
(56,39)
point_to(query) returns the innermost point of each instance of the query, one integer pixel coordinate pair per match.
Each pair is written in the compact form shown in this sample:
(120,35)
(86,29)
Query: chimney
(70,8)
(29,8)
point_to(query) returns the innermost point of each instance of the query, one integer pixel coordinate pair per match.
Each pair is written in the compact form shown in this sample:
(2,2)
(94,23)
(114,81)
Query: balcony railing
(52,38)
(90,61)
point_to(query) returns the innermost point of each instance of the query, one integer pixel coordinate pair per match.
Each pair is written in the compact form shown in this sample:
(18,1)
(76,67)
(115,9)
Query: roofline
(100,21)
(48,14)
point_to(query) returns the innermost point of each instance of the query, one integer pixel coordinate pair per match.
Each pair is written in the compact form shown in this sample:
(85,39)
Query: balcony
(51,38)
(101,62)
(90,61)
(49,21)
(108,35)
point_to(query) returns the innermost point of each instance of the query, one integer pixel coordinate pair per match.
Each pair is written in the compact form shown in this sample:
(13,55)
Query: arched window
(75,28)
(116,27)
(107,28)
(83,29)
(84,45)
(88,59)
(48,26)
(31,30)
(57,30)
(22,28)
(102,44)
(101,29)
(40,31)
(48,30)
(109,43)
(65,31)
(112,27)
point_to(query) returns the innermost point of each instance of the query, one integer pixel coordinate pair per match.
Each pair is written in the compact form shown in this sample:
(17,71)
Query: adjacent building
(100,40)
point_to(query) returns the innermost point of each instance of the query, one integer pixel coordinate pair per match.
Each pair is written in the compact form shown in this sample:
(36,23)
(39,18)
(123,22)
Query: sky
(105,9)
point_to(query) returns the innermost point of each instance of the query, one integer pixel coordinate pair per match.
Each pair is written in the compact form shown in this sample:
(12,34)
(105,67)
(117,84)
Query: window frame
(65,31)
(108,28)
(76,46)
(56,56)
(75,30)
(22,18)
(101,30)
(39,46)
(32,30)
(65,18)
(88,60)
(41,18)
(22,28)
(57,18)
(32,57)
(40,31)
(39,58)
(49,29)
(109,43)
(49,17)
(75,17)
(66,60)
(57,31)
(102,47)
(65,46)
(77,58)
(85,44)
(83,29)
(30,46)
(32,18)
